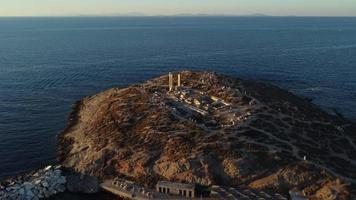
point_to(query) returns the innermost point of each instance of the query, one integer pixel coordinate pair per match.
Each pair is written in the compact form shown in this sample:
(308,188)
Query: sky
(177,7)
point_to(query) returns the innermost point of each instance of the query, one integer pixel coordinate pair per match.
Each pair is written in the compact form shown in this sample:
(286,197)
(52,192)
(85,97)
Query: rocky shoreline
(39,184)
(52,182)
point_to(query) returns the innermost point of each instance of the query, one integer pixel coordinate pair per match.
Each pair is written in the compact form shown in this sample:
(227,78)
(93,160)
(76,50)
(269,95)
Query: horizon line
(176,15)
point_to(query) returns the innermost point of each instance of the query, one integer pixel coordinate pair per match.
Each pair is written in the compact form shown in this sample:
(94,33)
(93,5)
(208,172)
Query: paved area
(230,193)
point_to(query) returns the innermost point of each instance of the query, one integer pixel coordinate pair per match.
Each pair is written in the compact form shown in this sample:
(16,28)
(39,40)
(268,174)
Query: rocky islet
(215,129)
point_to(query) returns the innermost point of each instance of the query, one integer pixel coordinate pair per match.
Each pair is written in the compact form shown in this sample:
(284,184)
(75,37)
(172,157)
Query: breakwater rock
(40,184)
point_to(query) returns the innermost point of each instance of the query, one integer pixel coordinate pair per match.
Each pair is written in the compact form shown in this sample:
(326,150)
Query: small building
(181,189)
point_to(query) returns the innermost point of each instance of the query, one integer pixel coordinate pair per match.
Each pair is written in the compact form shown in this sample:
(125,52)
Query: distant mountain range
(138,14)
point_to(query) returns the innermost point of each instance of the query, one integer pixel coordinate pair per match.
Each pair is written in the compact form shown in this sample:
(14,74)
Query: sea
(47,63)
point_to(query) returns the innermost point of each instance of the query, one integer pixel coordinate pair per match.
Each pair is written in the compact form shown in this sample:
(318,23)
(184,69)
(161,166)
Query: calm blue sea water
(48,63)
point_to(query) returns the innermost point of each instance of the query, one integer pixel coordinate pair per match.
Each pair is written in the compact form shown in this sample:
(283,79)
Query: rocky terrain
(214,129)
(52,182)
(37,185)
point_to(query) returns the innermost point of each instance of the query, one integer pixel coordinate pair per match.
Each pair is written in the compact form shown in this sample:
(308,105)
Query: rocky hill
(214,129)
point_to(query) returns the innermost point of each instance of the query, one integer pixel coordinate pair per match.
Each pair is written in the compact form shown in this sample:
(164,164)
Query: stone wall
(40,184)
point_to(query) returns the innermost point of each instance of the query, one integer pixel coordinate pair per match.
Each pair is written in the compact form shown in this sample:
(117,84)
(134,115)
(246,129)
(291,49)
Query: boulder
(45,184)
(48,168)
(29,195)
(61,188)
(28,186)
(21,191)
(61,180)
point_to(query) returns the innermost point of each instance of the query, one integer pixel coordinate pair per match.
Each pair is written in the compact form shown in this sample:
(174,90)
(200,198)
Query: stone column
(170,81)
(178,81)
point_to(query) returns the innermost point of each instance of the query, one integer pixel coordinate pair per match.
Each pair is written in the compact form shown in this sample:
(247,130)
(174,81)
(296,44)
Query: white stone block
(48,167)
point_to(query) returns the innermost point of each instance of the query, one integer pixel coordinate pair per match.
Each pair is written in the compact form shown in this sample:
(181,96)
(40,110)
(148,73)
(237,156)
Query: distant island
(208,129)
(138,14)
